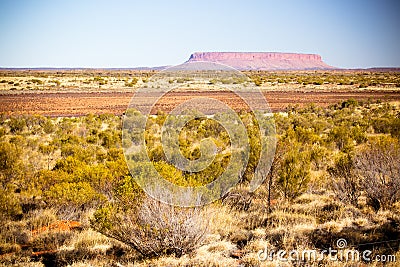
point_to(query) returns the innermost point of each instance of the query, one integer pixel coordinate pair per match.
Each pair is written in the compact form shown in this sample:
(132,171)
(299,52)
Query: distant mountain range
(269,61)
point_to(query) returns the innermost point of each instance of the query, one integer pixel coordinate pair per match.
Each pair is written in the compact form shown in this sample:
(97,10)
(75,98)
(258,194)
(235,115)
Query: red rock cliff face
(263,61)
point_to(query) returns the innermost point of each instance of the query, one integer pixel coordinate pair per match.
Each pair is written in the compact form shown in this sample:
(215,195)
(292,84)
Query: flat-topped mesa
(263,60)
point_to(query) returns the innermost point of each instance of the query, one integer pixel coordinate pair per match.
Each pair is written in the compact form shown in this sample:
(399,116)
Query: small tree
(294,174)
(47,150)
(269,173)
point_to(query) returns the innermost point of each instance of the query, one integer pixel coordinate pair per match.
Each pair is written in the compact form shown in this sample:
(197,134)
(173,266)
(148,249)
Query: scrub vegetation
(68,199)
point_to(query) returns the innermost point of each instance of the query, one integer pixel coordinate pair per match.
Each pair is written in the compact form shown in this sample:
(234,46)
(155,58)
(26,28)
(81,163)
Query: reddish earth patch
(82,103)
(62,225)
(44,252)
(58,226)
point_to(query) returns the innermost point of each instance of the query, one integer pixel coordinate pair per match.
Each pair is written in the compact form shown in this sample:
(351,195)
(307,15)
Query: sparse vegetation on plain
(67,197)
(117,80)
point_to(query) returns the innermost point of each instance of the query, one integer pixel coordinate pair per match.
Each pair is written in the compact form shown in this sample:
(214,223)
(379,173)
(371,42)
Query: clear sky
(51,33)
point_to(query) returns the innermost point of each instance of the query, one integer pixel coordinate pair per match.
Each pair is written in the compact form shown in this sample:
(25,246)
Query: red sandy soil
(58,226)
(62,225)
(82,103)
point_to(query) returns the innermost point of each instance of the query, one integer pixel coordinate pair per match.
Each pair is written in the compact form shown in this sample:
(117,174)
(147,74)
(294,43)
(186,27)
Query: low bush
(153,228)
(378,165)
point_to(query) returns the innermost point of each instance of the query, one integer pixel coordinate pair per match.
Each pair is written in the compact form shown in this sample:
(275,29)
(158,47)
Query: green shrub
(9,204)
(11,166)
(342,137)
(48,126)
(294,174)
(79,194)
(17,124)
(395,127)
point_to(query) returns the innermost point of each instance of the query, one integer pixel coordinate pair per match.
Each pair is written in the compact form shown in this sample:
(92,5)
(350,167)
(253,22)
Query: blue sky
(45,33)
